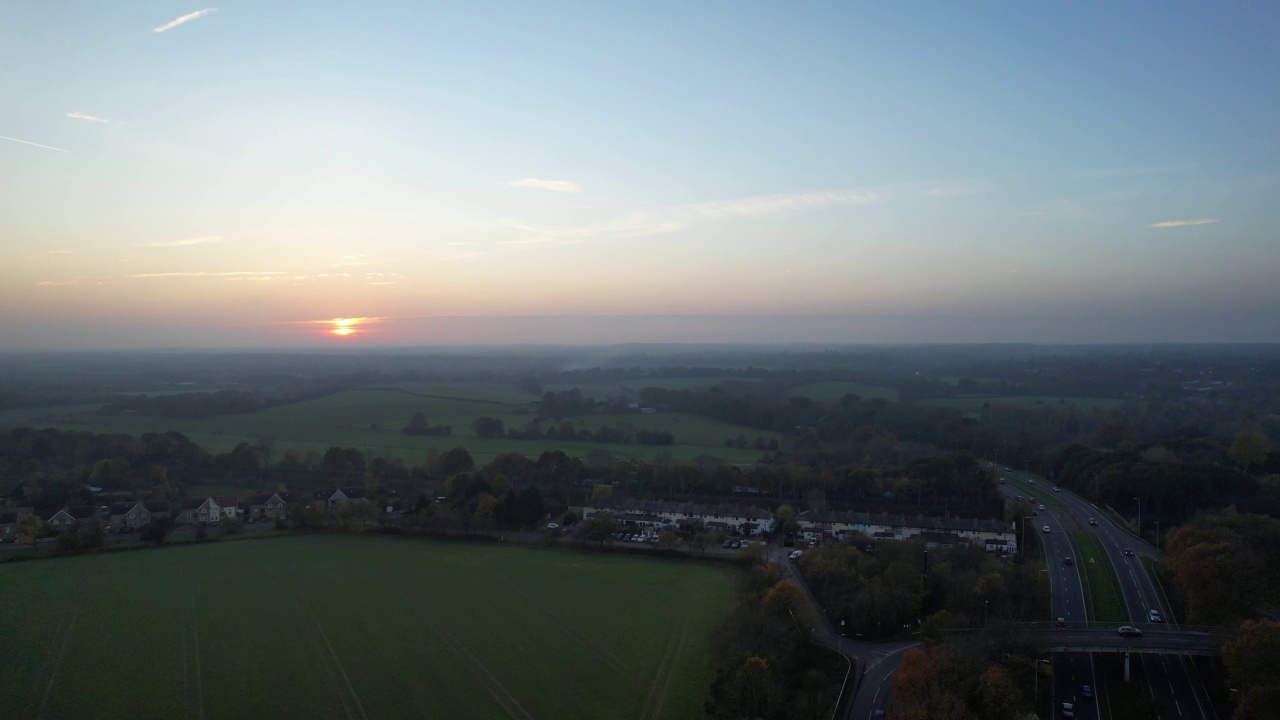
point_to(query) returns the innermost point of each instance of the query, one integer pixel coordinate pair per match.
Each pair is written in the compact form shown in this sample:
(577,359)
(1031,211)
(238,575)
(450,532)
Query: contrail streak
(24,142)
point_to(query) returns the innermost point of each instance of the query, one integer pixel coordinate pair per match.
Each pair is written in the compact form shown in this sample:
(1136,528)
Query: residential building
(199,511)
(270,506)
(338,497)
(8,526)
(658,514)
(65,518)
(992,535)
(230,506)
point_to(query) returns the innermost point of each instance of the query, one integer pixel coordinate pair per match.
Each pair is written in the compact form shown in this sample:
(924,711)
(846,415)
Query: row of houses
(658,515)
(991,535)
(136,514)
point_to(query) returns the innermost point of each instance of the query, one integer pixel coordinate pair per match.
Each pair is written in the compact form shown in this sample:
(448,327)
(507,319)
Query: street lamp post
(984,612)
(1157,522)
(1037,687)
(1139,516)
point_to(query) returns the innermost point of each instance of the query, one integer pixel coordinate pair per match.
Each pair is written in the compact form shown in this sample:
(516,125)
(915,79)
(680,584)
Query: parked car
(795,554)
(1154,616)
(553,526)
(726,544)
(1129,631)
(735,545)
(1128,552)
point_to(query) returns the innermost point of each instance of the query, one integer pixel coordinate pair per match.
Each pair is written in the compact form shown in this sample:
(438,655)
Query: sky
(272,174)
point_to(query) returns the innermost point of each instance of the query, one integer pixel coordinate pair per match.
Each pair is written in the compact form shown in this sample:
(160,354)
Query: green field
(358,627)
(977,401)
(1102,592)
(828,392)
(371,419)
(631,388)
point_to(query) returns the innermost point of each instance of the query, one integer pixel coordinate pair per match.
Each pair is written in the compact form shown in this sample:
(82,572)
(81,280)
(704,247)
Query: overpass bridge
(1179,641)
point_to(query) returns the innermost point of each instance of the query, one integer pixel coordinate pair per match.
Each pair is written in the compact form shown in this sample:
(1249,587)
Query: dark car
(727,544)
(1068,561)
(1086,691)
(1128,552)
(1093,521)
(1129,631)
(1060,622)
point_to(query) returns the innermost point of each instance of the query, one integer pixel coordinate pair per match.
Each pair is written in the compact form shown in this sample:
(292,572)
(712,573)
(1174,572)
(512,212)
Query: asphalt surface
(1071,670)
(1171,680)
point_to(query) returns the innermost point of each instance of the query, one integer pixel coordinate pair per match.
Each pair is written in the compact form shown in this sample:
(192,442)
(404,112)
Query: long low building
(992,535)
(741,519)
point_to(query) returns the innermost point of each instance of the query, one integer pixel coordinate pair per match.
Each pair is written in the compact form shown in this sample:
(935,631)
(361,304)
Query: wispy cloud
(86,116)
(185,19)
(1184,223)
(958,188)
(552,185)
(60,252)
(671,219)
(463,256)
(760,205)
(187,242)
(239,273)
(24,142)
(1127,171)
(56,283)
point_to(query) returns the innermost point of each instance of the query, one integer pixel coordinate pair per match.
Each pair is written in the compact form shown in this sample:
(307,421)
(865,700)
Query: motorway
(1171,681)
(1071,670)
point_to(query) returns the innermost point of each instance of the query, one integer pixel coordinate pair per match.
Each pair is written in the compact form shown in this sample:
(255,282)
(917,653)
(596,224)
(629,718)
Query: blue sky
(895,172)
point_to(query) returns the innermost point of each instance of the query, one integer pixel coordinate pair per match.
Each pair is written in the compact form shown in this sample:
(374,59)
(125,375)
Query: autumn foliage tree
(1253,666)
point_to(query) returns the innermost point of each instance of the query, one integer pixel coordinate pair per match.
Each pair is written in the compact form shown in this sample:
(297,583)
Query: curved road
(1172,681)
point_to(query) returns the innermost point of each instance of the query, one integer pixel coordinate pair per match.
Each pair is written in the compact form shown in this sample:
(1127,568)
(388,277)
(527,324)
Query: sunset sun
(344,327)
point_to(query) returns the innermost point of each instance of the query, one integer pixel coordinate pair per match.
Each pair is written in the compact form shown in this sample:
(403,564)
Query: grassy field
(357,628)
(632,388)
(1101,589)
(977,401)
(834,390)
(371,419)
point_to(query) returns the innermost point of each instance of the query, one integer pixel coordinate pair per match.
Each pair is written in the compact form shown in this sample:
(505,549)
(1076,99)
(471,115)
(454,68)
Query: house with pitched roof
(66,518)
(270,506)
(230,506)
(199,511)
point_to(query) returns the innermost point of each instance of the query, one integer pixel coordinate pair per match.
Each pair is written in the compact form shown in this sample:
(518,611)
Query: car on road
(1129,631)
(1060,622)
(1031,482)
(726,544)
(1086,691)
(1057,489)
(1154,616)
(553,526)
(1018,497)
(1045,529)
(1068,561)
(1128,552)
(1042,507)
(1068,710)
(1093,521)
(795,555)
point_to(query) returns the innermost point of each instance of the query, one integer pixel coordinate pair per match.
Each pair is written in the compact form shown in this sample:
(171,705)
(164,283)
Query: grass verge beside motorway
(1039,492)
(1173,603)
(1102,590)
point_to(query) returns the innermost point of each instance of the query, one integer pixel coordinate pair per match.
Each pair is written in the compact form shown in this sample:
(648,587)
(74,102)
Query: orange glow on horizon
(345,327)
